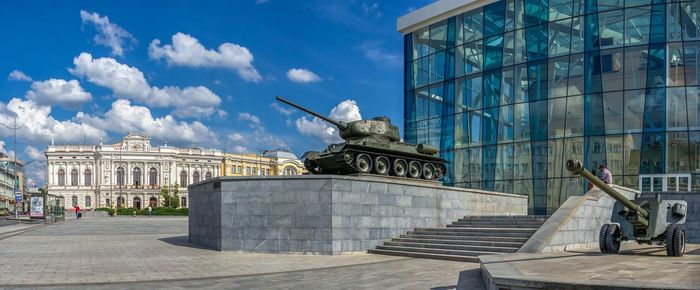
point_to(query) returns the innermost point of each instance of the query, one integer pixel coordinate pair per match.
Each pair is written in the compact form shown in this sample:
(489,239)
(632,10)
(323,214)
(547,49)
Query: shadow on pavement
(181,241)
(468,280)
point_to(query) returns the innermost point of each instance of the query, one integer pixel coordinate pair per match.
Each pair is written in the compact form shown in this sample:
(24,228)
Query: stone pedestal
(328,214)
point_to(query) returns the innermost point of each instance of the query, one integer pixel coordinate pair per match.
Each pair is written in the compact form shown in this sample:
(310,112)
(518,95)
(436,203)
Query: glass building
(512,89)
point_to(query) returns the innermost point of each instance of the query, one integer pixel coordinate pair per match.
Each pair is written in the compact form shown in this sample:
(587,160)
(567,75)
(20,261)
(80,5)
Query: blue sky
(196,73)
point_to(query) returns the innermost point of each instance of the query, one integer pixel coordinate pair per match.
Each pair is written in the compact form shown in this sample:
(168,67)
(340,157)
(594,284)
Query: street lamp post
(14,166)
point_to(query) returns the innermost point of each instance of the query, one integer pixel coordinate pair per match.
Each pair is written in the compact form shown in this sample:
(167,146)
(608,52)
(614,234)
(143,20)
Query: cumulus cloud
(17,75)
(281,110)
(123,117)
(39,126)
(130,83)
(235,137)
(34,153)
(2,147)
(186,50)
(345,111)
(259,134)
(68,94)
(374,51)
(371,9)
(108,34)
(302,75)
(240,149)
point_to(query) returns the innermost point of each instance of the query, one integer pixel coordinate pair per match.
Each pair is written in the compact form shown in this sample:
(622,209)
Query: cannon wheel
(668,236)
(400,167)
(601,238)
(678,242)
(381,165)
(610,239)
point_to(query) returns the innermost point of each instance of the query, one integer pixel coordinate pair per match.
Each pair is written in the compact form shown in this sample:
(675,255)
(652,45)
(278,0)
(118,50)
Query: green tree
(170,198)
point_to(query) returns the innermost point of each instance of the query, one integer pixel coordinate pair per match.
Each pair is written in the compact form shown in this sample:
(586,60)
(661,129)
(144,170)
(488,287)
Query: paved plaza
(153,253)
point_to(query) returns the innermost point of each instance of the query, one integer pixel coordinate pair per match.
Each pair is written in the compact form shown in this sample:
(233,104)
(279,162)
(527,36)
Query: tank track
(346,167)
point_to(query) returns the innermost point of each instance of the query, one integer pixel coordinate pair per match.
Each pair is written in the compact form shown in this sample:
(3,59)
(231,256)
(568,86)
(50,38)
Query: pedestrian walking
(77,211)
(149,211)
(605,174)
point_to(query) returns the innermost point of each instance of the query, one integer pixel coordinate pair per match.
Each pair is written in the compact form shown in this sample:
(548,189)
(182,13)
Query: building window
(88,201)
(88,177)
(290,171)
(195,177)
(207,175)
(74,201)
(183,179)
(120,176)
(74,177)
(61,177)
(183,202)
(108,202)
(152,177)
(136,176)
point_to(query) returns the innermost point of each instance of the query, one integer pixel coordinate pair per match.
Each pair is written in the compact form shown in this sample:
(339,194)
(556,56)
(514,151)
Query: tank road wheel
(668,237)
(439,170)
(612,235)
(381,165)
(428,171)
(678,241)
(348,157)
(414,169)
(363,163)
(400,167)
(601,238)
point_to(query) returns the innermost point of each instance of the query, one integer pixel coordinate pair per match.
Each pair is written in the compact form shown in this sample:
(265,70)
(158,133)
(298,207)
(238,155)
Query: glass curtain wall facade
(512,89)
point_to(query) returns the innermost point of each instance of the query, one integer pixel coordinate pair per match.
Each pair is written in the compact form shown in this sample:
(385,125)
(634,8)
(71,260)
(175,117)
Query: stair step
(462,237)
(491,229)
(460,242)
(437,251)
(492,225)
(425,255)
(438,245)
(507,217)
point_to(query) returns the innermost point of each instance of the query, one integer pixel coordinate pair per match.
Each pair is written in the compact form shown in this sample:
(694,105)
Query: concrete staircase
(465,239)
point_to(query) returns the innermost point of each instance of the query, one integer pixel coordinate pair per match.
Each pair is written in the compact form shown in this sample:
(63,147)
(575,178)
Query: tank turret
(372,146)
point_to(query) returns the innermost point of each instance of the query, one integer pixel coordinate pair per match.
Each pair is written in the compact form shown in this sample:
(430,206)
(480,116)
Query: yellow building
(271,162)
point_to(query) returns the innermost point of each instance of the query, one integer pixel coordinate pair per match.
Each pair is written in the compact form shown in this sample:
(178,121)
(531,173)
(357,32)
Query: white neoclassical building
(129,173)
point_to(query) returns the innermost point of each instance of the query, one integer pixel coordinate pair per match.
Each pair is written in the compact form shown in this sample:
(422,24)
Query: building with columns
(129,173)
(270,162)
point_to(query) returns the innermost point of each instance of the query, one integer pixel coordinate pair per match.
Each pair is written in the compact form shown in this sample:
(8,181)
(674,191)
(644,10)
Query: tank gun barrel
(340,124)
(576,168)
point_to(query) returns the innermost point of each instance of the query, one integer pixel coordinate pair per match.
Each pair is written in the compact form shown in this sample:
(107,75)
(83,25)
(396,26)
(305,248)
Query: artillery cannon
(372,146)
(648,220)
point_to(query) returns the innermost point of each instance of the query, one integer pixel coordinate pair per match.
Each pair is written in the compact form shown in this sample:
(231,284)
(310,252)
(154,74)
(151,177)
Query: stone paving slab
(143,253)
(636,267)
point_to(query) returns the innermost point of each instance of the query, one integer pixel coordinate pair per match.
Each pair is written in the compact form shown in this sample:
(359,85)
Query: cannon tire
(612,242)
(678,241)
(601,238)
(668,237)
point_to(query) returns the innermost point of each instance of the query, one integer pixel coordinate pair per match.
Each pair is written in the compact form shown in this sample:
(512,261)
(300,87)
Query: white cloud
(281,110)
(34,153)
(302,75)
(68,94)
(259,135)
(17,75)
(373,51)
(123,117)
(371,9)
(108,34)
(39,126)
(254,120)
(240,150)
(130,83)
(235,137)
(2,147)
(186,50)
(345,111)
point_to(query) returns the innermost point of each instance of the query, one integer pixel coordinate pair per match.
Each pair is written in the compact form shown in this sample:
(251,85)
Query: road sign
(18,196)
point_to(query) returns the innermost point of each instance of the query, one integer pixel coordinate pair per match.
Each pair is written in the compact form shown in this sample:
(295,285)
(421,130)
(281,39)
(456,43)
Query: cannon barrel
(340,124)
(576,168)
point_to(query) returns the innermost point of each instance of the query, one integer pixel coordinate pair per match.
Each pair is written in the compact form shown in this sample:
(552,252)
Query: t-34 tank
(646,220)
(374,147)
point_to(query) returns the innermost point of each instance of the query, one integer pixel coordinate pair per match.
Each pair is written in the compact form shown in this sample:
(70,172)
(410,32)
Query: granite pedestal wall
(328,214)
